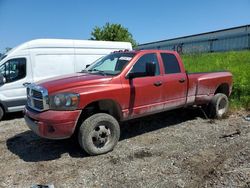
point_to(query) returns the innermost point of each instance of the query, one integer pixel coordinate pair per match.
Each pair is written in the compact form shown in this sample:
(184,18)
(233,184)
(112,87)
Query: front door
(13,92)
(145,92)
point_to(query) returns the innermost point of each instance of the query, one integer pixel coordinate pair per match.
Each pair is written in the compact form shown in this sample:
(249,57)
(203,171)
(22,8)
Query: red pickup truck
(122,85)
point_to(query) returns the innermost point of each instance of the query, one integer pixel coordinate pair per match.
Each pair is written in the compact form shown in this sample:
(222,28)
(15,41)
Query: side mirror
(87,66)
(2,80)
(150,68)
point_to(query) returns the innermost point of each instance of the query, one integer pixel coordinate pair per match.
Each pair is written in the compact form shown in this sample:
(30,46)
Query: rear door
(174,82)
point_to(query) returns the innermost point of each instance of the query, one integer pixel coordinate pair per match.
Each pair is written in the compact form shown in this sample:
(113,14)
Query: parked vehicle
(45,58)
(121,86)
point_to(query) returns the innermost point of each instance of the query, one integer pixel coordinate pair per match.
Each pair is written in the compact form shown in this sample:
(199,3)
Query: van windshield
(3,56)
(111,64)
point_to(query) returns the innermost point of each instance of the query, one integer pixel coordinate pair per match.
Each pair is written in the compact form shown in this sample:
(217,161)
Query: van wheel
(1,113)
(218,106)
(99,134)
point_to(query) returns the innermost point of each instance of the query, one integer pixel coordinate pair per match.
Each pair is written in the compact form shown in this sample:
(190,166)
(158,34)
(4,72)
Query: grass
(237,62)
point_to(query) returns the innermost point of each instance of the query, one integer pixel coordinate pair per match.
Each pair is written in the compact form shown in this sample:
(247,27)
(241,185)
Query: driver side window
(140,65)
(14,69)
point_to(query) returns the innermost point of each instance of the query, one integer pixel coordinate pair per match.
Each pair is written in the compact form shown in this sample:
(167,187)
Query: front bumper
(52,124)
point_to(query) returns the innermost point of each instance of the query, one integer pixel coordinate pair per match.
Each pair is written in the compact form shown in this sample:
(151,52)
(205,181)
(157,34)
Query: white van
(44,58)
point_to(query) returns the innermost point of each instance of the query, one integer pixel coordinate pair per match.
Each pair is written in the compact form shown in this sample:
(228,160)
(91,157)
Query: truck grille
(37,98)
(37,94)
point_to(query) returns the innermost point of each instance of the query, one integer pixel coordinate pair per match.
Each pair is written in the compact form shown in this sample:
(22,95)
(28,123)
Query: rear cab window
(171,64)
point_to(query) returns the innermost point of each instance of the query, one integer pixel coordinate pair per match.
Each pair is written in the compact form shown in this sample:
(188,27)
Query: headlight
(64,101)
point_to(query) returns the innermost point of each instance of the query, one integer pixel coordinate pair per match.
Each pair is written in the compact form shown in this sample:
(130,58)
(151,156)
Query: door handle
(182,80)
(25,84)
(157,84)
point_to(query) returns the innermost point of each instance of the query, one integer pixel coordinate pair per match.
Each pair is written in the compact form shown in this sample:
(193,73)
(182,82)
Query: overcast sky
(23,20)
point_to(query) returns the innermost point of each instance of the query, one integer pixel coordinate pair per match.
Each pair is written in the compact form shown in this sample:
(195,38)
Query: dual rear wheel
(218,107)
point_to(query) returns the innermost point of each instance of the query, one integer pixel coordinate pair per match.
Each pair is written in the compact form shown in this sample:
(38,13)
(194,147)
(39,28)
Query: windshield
(2,56)
(111,64)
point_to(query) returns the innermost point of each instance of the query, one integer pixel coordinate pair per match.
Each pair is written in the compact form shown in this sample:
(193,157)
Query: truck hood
(72,81)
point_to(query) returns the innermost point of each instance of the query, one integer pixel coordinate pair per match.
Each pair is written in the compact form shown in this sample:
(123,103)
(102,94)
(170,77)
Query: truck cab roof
(146,51)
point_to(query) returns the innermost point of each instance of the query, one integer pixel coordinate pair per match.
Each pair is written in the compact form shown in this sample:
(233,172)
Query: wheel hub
(222,106)
(101,136)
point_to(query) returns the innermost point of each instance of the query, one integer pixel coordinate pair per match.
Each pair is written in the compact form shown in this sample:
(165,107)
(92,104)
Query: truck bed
(203,85)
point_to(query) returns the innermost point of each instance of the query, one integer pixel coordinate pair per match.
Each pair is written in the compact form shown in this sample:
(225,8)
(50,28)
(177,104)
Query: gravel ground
(172,149)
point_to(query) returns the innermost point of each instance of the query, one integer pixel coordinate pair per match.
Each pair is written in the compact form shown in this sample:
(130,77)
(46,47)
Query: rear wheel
(1,113)
(218,106)
(99,134)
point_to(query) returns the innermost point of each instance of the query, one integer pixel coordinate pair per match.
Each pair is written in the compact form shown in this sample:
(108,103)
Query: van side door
(17,75)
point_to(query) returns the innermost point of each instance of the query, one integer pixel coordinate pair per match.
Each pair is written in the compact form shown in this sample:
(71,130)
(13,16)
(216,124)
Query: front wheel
(218,106)
(99,134)
(1,113)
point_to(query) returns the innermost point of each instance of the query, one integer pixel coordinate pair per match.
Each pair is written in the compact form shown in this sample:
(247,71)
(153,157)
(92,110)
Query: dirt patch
(174,149)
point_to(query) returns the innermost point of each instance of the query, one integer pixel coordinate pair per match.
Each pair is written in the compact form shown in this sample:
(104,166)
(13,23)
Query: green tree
(112,32)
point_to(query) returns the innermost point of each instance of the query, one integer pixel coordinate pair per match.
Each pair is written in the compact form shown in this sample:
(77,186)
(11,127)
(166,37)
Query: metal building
(236,38)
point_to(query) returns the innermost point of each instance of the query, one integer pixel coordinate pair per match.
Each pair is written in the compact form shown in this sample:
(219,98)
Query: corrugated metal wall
(237,38)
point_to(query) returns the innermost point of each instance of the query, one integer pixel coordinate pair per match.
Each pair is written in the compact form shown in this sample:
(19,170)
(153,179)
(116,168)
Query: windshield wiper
(98,71)
(84,71)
